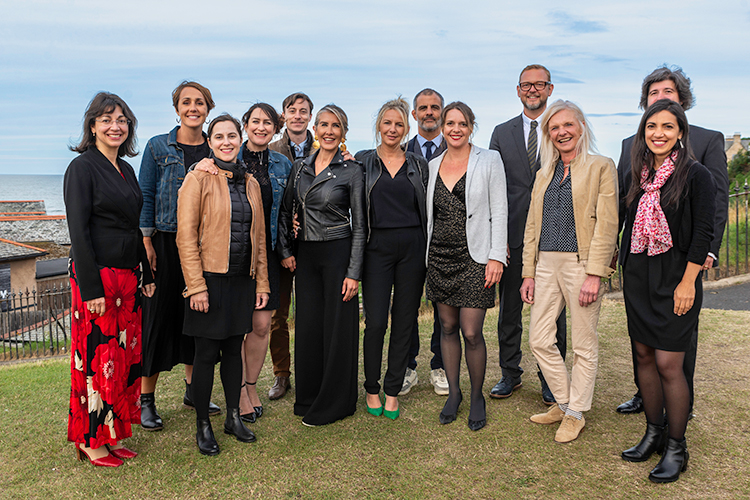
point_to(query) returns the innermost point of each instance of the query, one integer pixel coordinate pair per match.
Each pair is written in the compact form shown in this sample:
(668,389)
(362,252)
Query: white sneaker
(410,380)
(439,382)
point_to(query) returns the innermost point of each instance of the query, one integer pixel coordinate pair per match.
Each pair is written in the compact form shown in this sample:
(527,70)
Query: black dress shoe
(447,418)
(547,396)
(475,425)
(633,405)
(653,441)
(204,436)
(250,418)
(505,388)
(187,401)
(258,411)
(150,420)
(673,461)
(233,425)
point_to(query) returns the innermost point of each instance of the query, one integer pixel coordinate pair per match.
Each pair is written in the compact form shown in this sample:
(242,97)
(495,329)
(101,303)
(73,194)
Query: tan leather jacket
(204,223)
(594,187)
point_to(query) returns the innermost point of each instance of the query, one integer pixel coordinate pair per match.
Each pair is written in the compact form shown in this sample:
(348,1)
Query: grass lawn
(413,457)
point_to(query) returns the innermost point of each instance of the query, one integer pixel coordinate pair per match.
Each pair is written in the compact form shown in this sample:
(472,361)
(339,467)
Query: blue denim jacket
(279,167)
(161,175)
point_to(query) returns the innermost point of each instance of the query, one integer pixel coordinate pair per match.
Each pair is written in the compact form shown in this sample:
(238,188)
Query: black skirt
(231,302)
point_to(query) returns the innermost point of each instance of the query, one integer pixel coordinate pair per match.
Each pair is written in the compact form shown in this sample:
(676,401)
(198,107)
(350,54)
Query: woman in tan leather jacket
(571,235)
(221,240)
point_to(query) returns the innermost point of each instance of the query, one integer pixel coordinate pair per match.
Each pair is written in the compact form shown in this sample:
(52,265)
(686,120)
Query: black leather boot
(673,461)
(187,401)
(653,441)
(233,425)
(204,436)
(150,420)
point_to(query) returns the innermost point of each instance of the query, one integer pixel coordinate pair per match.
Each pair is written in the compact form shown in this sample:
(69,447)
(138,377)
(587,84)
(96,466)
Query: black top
(240,244)
(103,210)
(558,220)
(194,154)
(257,165)
(394,201)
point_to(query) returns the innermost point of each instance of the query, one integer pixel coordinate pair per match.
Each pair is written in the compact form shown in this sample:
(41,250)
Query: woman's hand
(589,290)
(289,263)
(349,289)
(261,299)
(295,225)
(527,290)
(148,290)
(347,156)
(150,253)
(207,165)
(96,306)
(684,294)
(493,271)
(199,302)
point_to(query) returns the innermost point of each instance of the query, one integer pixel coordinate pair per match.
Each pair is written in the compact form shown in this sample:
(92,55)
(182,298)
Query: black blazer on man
(413,147)
(708,149)
(508,140)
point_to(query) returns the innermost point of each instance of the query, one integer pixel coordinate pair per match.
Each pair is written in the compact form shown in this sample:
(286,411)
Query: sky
(55,55)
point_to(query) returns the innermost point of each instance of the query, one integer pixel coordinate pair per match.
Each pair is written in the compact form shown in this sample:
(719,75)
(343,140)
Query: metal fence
(35,324)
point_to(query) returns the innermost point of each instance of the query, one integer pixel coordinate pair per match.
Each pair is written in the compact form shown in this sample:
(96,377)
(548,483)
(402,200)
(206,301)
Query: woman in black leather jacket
(326,194)
(395,186)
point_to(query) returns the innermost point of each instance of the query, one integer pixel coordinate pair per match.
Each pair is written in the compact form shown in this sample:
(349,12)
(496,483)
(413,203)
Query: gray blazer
(486,205)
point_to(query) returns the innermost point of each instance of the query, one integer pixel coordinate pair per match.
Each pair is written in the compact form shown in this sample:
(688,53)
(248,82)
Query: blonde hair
(402,107)
(586,144)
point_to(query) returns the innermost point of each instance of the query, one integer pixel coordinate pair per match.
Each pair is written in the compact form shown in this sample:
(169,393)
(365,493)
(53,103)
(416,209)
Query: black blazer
(507,139)
(103,211)
(708,149)
(413,147)
(690,222)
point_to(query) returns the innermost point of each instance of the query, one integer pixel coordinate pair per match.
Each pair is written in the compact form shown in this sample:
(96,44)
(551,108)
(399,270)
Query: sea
(34,187)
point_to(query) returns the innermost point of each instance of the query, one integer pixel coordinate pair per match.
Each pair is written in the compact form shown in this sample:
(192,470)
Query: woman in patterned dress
(108,267)
(467,229)
(571,235)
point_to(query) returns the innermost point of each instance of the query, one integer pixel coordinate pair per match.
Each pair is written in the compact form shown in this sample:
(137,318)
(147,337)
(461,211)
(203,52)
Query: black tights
(206,353)
(663,387)
(470,321)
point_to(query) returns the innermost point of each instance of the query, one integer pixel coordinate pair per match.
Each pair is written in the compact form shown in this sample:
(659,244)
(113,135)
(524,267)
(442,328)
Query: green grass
(413,457)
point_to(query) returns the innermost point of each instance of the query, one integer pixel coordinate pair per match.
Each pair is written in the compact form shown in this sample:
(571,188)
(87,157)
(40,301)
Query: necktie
(531,147)
(428,147)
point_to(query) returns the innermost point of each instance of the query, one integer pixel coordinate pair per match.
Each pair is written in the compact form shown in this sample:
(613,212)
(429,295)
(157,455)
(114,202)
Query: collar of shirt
(437,141)
(298,148)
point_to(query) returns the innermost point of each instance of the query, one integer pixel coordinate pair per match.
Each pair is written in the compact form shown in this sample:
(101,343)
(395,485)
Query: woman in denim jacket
(163,167)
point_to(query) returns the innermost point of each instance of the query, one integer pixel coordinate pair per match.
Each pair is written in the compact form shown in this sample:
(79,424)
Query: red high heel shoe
(108,461)
(122,453)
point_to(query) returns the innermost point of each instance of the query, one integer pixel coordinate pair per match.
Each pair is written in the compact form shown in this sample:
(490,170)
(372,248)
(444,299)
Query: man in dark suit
(517,141)
(708,149)
(429,142)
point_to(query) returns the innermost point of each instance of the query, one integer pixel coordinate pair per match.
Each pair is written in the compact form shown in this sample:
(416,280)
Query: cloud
(576,26)
(614,114)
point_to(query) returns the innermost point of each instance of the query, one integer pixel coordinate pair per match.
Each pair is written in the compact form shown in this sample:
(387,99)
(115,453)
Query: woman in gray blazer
(467,217)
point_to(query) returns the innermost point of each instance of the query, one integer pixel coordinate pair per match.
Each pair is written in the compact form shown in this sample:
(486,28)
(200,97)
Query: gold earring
(342,146)
(316,143)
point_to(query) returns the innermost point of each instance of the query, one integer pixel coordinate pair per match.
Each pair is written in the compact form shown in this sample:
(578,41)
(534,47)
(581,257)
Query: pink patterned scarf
(650,227)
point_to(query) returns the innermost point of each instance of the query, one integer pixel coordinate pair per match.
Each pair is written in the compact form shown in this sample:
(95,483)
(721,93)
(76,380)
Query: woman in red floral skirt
(108,265)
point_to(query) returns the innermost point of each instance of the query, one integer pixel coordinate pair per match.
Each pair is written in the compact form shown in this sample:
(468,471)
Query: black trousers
(509,326)
(206,352)
(394,259)
(437,355)
(688,365)
(327,334)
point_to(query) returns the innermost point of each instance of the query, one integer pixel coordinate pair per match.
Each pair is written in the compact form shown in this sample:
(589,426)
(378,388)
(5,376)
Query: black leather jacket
(330,206)
(416,170)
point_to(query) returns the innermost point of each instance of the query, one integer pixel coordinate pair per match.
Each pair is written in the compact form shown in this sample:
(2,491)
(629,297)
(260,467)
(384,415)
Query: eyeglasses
(526,86)
(123,122)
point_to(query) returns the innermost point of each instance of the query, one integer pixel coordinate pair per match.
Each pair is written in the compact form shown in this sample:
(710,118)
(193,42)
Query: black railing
(733,258)
(35,324)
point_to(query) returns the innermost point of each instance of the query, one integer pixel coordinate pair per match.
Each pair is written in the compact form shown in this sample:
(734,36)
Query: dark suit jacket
(103,210)
(508,140)
(708,149)
(413,147)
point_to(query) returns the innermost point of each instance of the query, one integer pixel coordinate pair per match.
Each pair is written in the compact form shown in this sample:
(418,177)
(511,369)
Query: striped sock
(577,414)
(563,407)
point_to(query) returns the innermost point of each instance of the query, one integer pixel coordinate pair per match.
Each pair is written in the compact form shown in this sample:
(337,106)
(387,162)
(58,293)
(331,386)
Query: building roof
(12,250)
(23,206)
(50,268)
(35,228)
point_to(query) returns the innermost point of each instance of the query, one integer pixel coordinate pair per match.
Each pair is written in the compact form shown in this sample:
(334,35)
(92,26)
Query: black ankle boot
(187,400)
(673,461)
(205,438)
(233,425)
(150,420)
(653,441)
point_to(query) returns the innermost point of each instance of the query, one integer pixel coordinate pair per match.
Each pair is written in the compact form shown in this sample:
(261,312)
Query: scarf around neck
(650,228)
